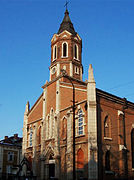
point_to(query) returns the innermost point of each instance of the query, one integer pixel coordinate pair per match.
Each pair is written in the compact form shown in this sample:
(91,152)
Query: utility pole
(124,139)
(73,107)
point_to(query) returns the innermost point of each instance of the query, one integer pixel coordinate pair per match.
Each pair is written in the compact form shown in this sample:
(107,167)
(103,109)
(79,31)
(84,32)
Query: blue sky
(26,28)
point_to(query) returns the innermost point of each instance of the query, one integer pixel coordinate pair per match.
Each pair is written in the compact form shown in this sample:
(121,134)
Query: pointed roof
(66,24)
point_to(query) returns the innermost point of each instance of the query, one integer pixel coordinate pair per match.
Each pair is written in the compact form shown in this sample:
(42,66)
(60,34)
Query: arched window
(132,146)
(55,52)
(64,128)
(64,49)
(75,51)
(106,127)
(80,159)
(80,122)
(107,161)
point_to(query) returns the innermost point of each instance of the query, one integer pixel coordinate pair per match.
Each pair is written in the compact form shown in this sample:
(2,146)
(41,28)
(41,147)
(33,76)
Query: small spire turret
(90,74)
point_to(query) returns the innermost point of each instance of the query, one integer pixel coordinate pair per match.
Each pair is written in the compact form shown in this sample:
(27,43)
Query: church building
(73,126)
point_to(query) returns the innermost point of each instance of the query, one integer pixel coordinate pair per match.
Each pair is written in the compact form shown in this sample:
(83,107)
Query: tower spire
(66,23)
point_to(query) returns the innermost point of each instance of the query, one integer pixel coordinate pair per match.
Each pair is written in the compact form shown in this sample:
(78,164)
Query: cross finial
(66,4)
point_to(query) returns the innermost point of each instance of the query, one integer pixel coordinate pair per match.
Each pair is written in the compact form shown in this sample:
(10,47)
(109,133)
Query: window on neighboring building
(55,52)
(80,159)
(31,137)
(8,169)
(80,122)
(75,51)
(132,146)
(106,127)
(64,49)
(107,161)
(10,156)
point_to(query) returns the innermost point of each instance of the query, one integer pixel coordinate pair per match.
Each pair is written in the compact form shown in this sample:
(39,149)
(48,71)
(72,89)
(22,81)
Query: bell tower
(66,49)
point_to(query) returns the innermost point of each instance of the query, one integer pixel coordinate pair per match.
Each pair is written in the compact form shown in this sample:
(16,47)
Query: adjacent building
(10,156)
(104,123)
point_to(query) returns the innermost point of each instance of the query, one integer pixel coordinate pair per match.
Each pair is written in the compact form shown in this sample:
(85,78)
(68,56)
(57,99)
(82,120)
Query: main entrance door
(51,170)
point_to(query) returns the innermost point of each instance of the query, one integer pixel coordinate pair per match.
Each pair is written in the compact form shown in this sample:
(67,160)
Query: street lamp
(64,73)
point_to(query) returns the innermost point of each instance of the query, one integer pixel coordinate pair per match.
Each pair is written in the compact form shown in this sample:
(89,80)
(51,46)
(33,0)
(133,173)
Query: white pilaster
(69,153)
(58,69)
(24,144)
(92,127)
(71,69)
(57,96)
(43,128)
(56,133)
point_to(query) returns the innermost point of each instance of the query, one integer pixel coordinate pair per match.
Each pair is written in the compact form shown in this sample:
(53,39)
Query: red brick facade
(48,132)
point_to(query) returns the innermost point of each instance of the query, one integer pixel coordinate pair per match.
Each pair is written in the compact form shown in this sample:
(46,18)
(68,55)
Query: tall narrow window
(64,49)
(48,128)
(80,159)
(107,161)
(40,135)
(106,127)
(132,146)
(121,127)
(30,137)
(55,52)
(75,51)
(76,70)
(80,122)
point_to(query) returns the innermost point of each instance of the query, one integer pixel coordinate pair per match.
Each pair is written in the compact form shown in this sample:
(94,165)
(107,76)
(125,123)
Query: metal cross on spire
(66,4)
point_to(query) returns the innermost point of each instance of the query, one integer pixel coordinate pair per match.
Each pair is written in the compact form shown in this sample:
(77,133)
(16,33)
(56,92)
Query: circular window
(53,70)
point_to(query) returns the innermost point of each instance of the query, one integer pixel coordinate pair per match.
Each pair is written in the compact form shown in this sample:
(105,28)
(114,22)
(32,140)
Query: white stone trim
(122,147)
(64,36)
(66,32)
(108,138)
(44,103)
(72,88)
(120,113)
(52,161)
